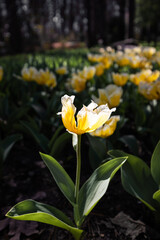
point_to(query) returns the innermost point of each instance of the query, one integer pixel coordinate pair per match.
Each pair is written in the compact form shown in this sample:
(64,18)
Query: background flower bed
(30,110)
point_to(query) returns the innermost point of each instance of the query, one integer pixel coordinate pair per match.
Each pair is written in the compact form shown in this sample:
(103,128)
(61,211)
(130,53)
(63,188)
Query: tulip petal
(68,111)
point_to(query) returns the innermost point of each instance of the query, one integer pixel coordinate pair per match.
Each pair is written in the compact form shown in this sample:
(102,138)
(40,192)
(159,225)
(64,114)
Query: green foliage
(34,211)
(139,180)
(7,144)
(89,195)
(62,179)
(96,186)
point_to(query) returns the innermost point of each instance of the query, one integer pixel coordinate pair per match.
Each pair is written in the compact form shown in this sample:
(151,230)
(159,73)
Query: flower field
(110,97)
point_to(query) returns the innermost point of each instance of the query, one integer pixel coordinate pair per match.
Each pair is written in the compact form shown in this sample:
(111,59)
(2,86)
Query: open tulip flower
(120,79)
(107,129)
(45,77)
(110,95)
(61,70)
(29,73)
(77,83)
(89,118)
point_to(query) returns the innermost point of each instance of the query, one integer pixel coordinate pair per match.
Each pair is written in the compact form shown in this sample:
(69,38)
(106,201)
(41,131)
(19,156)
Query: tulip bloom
(45,77)
(29,74)
(110,95)
(120,79)
(99,69)
(61,70)
(107,129)
(77,83)
(89,118)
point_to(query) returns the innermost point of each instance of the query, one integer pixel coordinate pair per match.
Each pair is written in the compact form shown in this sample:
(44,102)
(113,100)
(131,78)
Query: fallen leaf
(16,228)
(133,228)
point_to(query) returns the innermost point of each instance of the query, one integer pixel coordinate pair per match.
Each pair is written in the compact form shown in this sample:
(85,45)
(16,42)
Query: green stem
(78,170)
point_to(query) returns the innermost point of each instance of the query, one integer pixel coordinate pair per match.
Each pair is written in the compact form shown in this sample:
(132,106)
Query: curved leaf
(96,186)
(34,211)
(59,144)
(156,196)
(61,177)
(7,144)
(155,164)
(137,179)
(40,139)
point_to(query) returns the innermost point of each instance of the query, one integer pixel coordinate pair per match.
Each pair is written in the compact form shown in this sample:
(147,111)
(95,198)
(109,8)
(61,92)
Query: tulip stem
(78,170)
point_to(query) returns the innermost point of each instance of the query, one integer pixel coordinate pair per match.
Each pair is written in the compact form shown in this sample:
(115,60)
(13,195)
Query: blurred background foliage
(30,25)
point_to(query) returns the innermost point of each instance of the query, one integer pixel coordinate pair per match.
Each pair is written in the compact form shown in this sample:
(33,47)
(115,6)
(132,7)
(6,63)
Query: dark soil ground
(118,216)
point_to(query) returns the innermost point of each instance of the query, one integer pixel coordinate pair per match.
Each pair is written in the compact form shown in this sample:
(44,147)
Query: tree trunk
(131,18)
(16,42)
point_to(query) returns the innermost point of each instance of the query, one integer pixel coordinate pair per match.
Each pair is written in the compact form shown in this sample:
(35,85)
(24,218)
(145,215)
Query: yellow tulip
(153,76)
(29,74)
(120,79)
(110,95)
(148,52)
(88,119)
(61,70)
(77,83)
(107,61)
(144,76)
(107,129)
(94,57)
(46,78)
(122,59)
(1,73)
(150,90)
(87,73)
(135,62)
(99,69)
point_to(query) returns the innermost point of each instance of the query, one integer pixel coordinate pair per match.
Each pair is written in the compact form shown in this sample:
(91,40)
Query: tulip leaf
(155,164)
(7,144)
(95,187)
(31,210)
(60,143)
(156,196)
(97,151)
(61,177)
(137,179)
(40,139)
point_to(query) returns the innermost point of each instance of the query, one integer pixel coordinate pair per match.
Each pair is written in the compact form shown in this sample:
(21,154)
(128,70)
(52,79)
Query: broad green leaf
(40,139)
(156,196)
(97,151)
(95,187)
(62,179)
(34,211)
(137,179)
(7,144)
(155,164)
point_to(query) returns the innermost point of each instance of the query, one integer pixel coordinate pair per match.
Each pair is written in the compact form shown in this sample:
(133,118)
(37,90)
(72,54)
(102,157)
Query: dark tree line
(26,25)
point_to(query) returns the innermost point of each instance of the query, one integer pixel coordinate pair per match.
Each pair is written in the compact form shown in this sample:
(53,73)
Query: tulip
(89,118)
(110,95)
(107,129)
